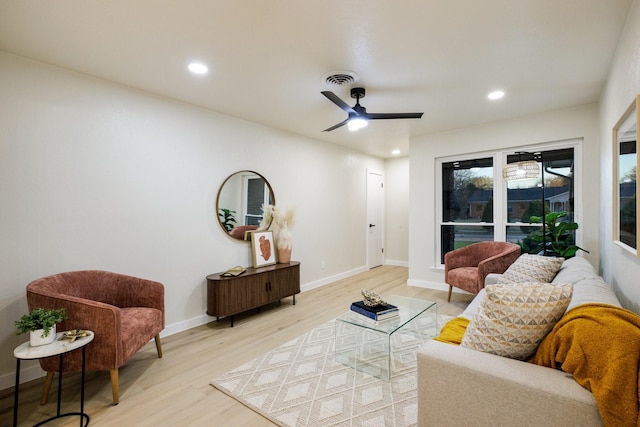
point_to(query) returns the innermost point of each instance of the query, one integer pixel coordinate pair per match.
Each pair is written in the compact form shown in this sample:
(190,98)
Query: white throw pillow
(512,319)
(532,268)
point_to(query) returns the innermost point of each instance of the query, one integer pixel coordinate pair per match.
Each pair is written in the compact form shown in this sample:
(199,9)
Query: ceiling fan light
(357,123)
(520,171)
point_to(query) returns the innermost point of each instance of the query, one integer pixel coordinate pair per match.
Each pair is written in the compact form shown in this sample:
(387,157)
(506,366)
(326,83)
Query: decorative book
(380,312)
(235,271)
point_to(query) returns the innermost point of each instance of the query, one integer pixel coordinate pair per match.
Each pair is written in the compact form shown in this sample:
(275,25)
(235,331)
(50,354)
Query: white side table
(57,348)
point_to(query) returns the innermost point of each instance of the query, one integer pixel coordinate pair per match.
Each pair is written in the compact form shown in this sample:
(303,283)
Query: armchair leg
(449,297)
(158,346)
(115,390)
(47,386)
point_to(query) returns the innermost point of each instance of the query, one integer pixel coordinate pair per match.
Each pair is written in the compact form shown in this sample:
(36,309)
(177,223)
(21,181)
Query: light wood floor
(175,390)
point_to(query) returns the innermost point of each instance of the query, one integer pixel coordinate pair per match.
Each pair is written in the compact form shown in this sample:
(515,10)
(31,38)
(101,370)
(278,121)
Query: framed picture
(263,250)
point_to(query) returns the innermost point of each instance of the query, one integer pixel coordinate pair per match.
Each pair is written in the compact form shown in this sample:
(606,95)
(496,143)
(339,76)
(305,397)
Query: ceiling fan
(358,116)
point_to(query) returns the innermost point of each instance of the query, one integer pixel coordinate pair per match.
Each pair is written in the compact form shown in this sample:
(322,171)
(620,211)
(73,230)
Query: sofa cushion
(532,268)
(574,270)
(588,287)
(593,291)
(512,319)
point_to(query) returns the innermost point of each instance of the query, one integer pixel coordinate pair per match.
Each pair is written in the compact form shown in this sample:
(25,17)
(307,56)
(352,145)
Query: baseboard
(29,371)
(33,372)
(184,325)
(435,285)
(331,279)
(428,285)
(396,263)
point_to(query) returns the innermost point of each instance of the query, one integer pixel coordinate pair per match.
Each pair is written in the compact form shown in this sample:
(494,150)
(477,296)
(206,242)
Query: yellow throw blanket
(453,331)
(599,345)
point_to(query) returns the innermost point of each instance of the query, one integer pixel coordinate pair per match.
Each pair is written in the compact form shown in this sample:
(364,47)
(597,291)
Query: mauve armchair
(124,312)
(466,267)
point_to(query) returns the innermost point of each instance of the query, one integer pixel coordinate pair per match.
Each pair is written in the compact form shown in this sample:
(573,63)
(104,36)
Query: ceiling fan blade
(380,116)
(336,126)
(339,102)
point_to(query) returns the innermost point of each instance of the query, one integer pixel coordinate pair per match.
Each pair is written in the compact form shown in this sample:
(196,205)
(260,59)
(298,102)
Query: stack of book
(377,313)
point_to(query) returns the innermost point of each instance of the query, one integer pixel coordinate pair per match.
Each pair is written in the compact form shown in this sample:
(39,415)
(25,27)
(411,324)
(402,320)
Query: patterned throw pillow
(512,319)
(532,268)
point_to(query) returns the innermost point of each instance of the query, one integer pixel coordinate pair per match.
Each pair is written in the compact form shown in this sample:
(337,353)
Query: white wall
(94,175)
(619,267)
(396,246)
(573,123)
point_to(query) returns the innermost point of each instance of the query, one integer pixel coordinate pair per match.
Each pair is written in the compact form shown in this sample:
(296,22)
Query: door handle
(371,225)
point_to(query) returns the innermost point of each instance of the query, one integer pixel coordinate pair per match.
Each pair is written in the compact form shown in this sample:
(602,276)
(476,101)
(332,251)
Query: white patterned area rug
(300,384)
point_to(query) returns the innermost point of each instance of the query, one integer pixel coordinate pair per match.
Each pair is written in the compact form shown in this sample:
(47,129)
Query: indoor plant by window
(227,217)
(559,237)
(41,324)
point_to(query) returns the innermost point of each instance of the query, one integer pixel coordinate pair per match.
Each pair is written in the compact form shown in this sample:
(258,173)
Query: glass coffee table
(386,347)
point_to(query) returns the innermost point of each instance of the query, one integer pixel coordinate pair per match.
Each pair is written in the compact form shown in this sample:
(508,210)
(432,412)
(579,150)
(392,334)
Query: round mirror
(240,200)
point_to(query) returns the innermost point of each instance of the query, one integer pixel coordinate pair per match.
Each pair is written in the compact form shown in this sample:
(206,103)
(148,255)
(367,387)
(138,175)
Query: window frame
(633,111)
(500,215)
(439,198)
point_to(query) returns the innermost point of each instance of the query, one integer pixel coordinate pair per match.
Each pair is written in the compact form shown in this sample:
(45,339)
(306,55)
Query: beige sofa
(462,387)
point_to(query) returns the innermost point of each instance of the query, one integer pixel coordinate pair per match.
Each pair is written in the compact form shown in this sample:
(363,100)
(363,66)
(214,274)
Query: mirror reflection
(240,200)
(625,137)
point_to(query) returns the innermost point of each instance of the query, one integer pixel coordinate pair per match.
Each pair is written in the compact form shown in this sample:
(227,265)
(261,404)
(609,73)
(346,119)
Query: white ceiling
(267,59)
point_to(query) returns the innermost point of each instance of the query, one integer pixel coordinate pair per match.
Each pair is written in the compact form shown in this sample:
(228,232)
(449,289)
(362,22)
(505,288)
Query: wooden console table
(254,288)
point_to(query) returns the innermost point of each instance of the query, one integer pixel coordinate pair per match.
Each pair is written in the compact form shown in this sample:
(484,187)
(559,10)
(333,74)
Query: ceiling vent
(340,78)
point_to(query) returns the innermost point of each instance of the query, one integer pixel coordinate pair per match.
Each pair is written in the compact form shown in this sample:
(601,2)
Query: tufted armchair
(467,267)
(124,312)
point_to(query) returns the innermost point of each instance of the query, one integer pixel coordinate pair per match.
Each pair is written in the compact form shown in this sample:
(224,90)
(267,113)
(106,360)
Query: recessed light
(198,68)
(496,94)
(395,152)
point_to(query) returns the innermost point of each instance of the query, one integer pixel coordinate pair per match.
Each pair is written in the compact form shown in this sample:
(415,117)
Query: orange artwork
(265,248)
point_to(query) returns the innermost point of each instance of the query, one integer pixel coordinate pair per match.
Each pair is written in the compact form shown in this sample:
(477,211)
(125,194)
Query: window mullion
(499,198)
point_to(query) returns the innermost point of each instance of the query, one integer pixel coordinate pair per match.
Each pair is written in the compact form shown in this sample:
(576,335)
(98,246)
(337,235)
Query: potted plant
(41,324)
(559,237)
(227,217)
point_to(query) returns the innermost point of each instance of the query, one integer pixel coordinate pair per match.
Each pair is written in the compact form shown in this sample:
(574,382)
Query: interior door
(375,226)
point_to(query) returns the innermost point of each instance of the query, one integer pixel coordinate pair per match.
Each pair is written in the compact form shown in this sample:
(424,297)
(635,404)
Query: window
(526,198)
(467,203)
(627,193)
(476,204)
(257,194)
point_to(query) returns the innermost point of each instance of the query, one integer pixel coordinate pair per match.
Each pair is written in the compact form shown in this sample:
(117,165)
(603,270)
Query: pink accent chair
(124,312)
(467,267)
(239,230)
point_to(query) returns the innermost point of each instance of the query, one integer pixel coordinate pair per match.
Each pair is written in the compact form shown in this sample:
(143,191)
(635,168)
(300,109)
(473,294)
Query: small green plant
(559,237)
(40,318)
(227,217)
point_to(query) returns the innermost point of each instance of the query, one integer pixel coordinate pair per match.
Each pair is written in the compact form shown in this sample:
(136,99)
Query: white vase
(37,338)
